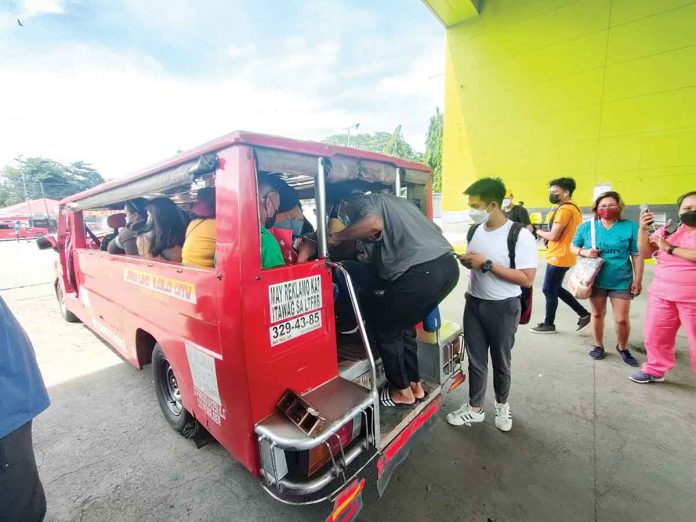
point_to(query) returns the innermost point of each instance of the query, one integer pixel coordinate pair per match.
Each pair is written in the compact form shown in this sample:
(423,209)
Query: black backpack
(526,296)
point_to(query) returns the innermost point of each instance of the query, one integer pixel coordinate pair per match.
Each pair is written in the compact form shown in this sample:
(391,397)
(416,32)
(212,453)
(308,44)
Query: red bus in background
(293,402)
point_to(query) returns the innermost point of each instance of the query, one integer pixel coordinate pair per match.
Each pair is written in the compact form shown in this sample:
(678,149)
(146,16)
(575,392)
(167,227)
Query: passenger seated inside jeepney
(199,244)
(165,231)
(136,219)
(290,215)
(293,250)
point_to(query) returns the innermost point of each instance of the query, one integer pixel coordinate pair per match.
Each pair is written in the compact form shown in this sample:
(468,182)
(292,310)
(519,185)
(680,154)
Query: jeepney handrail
(366,342)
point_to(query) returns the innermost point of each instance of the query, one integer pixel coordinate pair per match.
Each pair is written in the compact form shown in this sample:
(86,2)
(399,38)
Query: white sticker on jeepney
(182,290)
(84,296)
(294,308)
(201,363)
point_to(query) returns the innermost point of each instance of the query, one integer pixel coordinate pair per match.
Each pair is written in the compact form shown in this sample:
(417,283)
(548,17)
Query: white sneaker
(503,416)
(465,415)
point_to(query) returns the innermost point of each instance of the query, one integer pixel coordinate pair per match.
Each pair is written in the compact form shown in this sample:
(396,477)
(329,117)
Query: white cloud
(124,110)
(39,7)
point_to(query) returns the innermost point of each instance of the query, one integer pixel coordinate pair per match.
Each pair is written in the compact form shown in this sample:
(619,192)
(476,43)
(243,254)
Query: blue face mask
(294,224)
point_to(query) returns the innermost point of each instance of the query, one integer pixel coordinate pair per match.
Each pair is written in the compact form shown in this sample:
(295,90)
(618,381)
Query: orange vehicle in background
(252,355)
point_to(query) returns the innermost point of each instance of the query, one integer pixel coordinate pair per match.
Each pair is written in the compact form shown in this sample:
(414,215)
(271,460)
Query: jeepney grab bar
(366,342)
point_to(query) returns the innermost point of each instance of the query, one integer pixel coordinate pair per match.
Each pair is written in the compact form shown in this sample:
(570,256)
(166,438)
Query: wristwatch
(487,266)
(670,250)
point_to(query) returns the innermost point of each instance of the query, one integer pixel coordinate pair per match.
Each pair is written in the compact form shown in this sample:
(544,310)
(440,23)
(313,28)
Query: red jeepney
(26,229)
(249,354)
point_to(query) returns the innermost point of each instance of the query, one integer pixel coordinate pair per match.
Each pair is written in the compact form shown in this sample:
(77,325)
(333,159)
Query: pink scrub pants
(662,320)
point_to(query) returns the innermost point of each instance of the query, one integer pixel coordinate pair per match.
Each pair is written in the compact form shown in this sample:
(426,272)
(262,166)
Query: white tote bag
(585,271)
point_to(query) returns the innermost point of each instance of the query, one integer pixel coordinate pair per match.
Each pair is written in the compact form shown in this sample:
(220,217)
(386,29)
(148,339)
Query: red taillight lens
(320,455)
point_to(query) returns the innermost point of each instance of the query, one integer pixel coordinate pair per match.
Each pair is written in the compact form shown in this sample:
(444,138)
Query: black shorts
(615,294)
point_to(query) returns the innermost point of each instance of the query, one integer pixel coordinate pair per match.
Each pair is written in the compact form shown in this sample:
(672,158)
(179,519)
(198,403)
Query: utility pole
(48,216)
(26,199)
(355,126)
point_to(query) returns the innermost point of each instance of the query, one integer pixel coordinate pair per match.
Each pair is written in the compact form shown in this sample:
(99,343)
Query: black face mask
(688,218)
(554,198)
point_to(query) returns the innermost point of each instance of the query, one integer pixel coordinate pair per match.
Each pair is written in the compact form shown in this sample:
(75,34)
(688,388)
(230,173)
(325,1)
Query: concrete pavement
(587,444)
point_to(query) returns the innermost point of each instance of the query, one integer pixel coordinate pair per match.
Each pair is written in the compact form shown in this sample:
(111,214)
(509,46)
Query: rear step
(392,420)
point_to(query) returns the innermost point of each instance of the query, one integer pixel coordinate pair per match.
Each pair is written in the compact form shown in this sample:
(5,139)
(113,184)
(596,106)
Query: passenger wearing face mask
(269,200)
(289,215)
(672,292)
(136,218)
(493,306)
(199,244)
(559,258)
(620,277)
(516,213)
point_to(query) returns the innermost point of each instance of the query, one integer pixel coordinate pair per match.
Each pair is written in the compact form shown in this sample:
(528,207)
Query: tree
(383,142)
(45,177)
(397,146)
(433,149)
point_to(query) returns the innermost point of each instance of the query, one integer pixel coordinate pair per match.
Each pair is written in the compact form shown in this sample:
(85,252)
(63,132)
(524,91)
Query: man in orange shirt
(559,258)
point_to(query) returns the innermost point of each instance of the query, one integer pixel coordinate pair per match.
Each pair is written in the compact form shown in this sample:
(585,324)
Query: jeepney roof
(308,148)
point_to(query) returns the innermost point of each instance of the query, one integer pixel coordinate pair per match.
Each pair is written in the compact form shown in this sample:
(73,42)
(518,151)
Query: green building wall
(603,91)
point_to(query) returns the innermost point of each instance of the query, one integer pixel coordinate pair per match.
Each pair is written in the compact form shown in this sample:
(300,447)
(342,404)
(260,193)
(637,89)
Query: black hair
(565,183)
(343,190)
(288,195)
(168,225)
(684,196)
(137,206)
(207,195)
(488,189)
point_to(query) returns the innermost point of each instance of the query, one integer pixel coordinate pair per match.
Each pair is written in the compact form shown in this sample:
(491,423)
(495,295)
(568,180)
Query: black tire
(169,395)
(67,314)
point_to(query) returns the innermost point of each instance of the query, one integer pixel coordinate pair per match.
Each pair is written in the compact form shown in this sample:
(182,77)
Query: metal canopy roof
(185,159)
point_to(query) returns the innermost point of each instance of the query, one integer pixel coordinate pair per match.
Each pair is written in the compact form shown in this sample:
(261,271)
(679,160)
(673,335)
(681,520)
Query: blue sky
(123,84)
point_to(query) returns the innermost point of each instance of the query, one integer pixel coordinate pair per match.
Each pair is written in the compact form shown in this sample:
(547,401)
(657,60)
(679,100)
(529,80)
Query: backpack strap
(470,233)
(512,241)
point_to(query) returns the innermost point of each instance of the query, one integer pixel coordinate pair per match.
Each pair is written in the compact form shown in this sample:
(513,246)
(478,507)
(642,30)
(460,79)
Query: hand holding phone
(647,219)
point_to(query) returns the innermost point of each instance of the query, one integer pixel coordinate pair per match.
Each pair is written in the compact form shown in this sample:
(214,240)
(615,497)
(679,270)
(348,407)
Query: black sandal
(386,401)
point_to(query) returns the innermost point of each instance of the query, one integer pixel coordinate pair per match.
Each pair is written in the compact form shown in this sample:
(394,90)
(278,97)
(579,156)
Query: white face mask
(506,203)
(478,216)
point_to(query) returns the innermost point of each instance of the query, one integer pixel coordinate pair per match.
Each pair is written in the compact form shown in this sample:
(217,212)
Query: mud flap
(397,452)
(348,503)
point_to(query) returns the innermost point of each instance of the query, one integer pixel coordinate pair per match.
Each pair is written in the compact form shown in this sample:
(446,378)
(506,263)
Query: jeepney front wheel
(67,314)
(169,395)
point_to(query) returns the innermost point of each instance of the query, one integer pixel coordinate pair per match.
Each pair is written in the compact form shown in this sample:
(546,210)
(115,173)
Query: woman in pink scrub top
(672,293)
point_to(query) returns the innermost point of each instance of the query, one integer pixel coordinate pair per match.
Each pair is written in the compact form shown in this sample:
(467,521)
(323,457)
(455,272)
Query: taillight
(320,455)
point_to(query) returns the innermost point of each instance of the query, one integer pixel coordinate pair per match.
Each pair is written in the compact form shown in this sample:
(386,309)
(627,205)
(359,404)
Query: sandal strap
(385,398)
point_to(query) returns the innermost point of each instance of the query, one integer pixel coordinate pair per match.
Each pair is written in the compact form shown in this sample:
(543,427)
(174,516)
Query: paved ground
(587,444)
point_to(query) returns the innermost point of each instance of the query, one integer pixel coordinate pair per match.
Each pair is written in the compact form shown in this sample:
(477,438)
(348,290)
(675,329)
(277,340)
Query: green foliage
(433,149)
(393,144)
(58,180)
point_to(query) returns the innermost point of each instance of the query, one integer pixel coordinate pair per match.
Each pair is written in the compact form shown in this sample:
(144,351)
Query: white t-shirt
(493,246)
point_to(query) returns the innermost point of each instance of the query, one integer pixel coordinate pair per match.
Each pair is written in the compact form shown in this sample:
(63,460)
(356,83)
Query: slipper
(386,401)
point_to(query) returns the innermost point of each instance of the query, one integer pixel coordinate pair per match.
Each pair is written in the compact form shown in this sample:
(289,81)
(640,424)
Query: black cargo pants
(405,303)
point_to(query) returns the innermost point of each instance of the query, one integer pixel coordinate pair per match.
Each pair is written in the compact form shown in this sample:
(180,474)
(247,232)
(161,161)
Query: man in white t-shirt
(493,306)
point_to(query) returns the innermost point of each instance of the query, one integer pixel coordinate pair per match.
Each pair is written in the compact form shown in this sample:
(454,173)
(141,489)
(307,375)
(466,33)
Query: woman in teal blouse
(620,278)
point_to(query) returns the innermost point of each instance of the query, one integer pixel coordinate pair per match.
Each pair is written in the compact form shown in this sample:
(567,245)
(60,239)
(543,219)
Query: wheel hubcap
(171,390)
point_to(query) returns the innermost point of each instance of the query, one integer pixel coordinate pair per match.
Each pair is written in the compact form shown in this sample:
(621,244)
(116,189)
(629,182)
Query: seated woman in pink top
(672,293)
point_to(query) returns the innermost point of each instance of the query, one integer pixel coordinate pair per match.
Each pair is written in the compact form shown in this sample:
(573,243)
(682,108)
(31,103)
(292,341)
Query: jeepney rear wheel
(67,314)
(169,395)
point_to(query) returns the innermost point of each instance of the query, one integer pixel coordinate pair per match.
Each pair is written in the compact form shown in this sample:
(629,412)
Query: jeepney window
(99,233)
